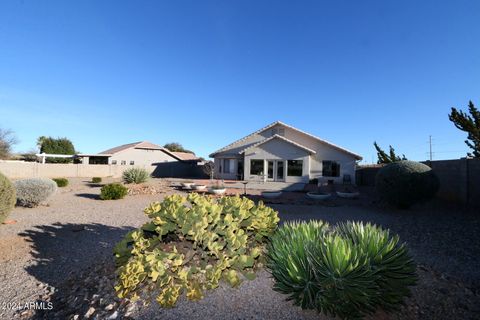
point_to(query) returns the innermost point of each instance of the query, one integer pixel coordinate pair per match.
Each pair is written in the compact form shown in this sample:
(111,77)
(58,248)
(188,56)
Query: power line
(430,144)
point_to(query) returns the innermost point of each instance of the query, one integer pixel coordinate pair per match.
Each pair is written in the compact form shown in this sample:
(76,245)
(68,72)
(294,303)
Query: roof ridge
(281,138)
(291,127)
(244,138)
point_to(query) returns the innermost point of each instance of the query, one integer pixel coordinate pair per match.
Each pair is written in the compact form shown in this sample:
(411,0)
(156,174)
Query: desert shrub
(61,182)
(32,192)
(7,197)
(135,175)
(113,191)
(190,244)
(348,271)
(405,183)
(96,180)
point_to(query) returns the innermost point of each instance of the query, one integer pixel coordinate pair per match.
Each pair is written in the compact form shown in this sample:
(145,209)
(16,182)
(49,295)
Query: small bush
(32,192)
(348,271)
(135,175)
(313,181)
(405,183)
(61,182)
(190,244)
(96,180)
(113,191)
(7,197)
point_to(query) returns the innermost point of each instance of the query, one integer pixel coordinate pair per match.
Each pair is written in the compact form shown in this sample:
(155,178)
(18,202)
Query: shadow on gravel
(95,185)
(63,254)
(88,196)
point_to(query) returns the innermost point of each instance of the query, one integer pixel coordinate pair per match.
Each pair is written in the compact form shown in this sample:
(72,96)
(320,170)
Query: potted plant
(348,194)
(187,184)
(198,187)
(318,195)
(271,194)
(217,188)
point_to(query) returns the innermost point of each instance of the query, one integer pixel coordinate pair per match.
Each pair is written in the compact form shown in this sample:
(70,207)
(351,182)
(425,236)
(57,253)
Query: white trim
(279,137)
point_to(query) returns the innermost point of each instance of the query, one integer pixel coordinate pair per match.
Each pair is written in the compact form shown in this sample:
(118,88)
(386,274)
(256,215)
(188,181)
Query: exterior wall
(19,170)
(279,150)
(141,157)
(323,152)
(458,179)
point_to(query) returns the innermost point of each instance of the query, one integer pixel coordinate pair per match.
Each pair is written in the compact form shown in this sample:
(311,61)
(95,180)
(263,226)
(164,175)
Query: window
(132,163)
(330,168)
(294,168)
(228,165)
(256,167)
(114,161)
(123,162)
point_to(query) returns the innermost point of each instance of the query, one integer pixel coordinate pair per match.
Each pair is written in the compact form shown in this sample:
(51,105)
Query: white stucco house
(279,152)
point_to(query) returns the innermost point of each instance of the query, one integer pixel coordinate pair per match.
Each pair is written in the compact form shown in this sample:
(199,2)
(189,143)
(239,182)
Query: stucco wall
(142,157)
(17,170)
(459,179)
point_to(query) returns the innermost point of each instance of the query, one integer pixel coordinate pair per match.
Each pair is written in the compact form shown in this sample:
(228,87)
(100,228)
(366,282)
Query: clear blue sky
(205,73)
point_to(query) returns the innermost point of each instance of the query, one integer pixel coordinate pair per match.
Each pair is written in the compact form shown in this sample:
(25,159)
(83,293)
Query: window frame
(333,167)
(290,167)
(251,167)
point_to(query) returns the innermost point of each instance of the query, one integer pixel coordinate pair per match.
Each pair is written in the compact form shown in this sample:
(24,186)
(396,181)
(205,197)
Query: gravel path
(62,253)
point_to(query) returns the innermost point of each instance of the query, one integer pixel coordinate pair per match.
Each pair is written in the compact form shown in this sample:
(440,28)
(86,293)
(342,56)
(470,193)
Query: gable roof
(357,156)
(140,145)
(276,136)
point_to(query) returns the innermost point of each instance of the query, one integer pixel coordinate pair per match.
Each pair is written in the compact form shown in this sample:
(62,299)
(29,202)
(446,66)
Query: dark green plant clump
(7,197)
(61,182)
(348,271)
(96,180)
(113,191)
(405,183)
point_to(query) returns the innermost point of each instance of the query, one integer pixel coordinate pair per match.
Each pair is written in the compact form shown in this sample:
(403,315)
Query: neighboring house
(139,154)
(279,152)
(142,153)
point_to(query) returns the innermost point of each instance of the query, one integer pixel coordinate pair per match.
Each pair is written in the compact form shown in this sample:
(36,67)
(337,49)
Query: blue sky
(205,73)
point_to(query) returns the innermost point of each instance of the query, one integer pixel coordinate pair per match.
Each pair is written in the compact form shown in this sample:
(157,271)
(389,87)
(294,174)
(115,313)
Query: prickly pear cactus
(192,243)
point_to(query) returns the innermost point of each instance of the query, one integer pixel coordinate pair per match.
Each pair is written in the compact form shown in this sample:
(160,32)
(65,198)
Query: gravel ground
(61,253)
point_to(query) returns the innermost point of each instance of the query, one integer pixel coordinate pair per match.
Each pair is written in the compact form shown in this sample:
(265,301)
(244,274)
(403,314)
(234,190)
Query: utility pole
(430,144)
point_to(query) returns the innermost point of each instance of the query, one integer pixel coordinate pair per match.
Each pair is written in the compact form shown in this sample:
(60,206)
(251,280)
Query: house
(279,152)
(143,153)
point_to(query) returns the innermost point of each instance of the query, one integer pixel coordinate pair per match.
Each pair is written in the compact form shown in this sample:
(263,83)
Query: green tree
(56,146)
(176,147)
(383,157)
(469,123)
(7,140)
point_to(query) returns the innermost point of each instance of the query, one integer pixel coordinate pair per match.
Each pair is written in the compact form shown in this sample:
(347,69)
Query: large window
(256,167)
(228,165)
(294,168)
(330,168)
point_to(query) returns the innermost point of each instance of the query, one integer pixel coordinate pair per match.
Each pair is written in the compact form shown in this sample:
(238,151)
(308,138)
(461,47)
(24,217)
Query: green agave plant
(347,271)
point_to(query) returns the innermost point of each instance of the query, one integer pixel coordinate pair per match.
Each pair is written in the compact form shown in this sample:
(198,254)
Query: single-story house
(142,153)
(279,152)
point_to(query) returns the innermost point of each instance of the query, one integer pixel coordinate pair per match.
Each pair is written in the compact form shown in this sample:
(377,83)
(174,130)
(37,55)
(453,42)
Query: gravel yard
(63,253)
